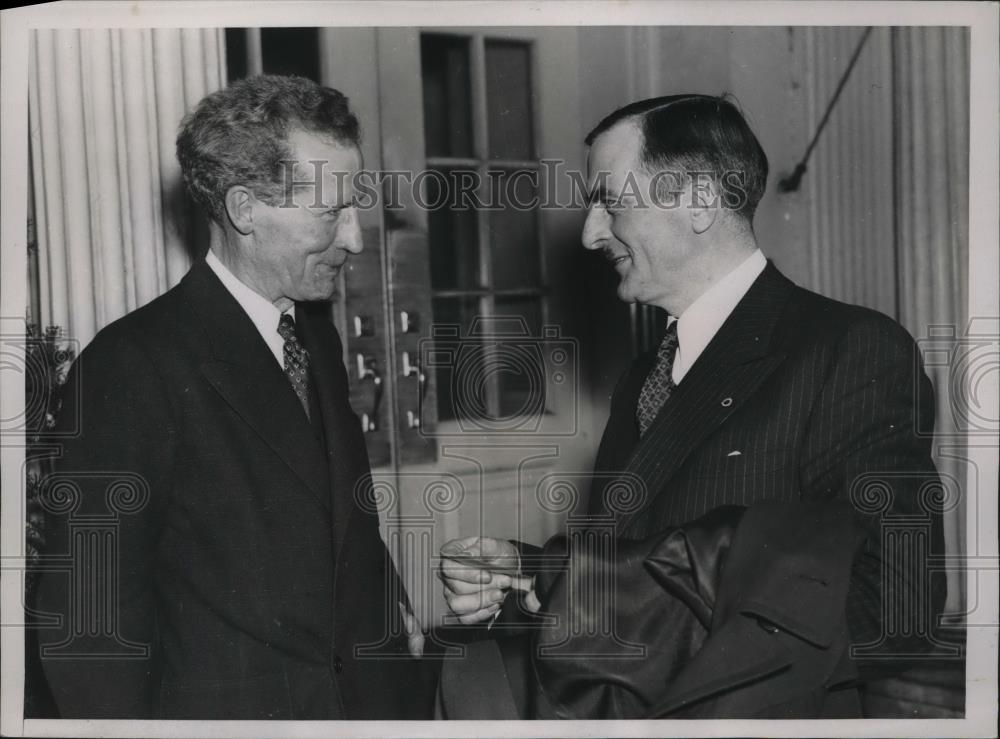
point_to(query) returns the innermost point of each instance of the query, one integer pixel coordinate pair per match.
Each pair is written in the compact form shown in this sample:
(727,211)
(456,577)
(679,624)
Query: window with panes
(487,270)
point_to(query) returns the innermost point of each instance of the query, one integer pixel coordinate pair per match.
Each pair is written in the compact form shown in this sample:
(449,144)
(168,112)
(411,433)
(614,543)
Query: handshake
(478,572)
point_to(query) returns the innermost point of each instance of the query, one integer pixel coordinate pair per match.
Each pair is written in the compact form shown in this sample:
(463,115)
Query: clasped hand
(478,572)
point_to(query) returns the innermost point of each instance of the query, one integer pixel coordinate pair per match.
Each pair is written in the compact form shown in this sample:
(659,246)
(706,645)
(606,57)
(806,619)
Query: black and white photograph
(500,369)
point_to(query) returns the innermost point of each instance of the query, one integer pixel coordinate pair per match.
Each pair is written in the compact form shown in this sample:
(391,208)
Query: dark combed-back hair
(699,133)
(239,136)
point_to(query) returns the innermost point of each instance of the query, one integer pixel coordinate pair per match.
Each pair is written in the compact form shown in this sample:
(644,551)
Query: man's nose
(596,229)
(349,235)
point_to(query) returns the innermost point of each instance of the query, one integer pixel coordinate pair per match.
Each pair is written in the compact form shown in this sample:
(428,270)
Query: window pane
(518,364)
(508,99)
(514,229)
(290,51)
(453,234)
(444,64)
(457,359)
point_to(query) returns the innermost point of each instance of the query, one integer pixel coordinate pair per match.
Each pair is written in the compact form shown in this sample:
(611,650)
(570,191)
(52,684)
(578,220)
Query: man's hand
(477,573)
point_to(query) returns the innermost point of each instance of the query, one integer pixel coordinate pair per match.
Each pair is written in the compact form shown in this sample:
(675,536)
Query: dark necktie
(296,360)
(659,383)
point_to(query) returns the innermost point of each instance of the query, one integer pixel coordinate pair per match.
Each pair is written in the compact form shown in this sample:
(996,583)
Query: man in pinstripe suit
(761,390)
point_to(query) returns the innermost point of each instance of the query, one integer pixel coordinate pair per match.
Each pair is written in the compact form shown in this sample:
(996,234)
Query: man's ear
(239,208)
(703,202)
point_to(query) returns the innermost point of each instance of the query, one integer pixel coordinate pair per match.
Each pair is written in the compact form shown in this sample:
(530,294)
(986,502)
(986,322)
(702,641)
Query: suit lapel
(730,369)
(243,371)
(346,454)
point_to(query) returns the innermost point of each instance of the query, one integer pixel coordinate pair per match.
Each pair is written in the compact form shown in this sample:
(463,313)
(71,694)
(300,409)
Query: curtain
(114,228)
(849,180)
(931,75)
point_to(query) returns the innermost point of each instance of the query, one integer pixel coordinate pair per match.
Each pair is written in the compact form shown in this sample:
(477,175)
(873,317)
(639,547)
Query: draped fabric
(931,71)
(115,229)
(849,178)
(932,175)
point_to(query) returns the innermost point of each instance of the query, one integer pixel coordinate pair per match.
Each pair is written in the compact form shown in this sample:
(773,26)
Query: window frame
(486,293)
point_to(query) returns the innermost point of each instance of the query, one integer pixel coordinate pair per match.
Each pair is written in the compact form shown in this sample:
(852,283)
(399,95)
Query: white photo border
(982,18)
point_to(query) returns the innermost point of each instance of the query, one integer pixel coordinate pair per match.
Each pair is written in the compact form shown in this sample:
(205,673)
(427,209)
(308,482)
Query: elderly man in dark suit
(244,578)
(761,394)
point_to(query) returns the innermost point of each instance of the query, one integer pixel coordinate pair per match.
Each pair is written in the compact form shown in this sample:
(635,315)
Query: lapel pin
(726,402)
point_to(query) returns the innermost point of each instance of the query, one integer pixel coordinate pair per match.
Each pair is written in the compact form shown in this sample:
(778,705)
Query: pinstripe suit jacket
(797,397)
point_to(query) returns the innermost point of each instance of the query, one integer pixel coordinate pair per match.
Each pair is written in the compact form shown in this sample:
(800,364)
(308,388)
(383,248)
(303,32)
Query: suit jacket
(242,574)
(797,398)
(738,614)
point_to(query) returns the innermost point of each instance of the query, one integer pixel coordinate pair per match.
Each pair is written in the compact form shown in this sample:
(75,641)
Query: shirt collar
(698,325)
(264,314)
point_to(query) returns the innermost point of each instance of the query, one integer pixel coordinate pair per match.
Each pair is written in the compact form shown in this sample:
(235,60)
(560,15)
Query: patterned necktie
(659,384)
(296,360)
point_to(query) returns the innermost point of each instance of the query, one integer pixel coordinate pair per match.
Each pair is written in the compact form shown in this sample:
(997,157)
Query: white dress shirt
(699,324)
(262,312)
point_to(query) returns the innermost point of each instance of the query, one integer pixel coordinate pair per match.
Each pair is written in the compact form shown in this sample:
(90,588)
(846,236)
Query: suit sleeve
(106,495)
(862,445)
